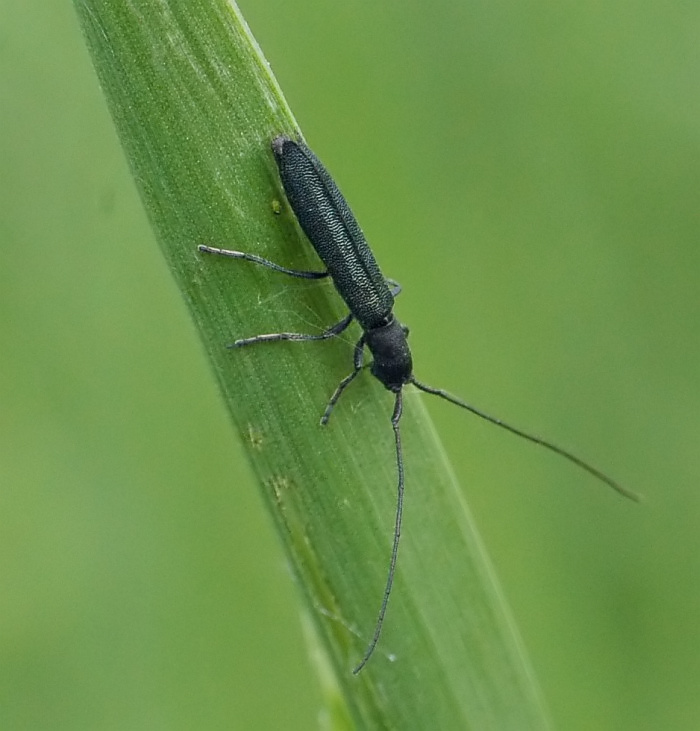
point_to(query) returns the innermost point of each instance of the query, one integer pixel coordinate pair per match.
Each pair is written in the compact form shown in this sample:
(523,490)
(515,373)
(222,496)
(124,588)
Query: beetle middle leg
(331,332)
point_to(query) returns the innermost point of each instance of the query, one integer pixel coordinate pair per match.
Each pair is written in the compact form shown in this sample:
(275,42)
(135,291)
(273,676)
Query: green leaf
(196,106)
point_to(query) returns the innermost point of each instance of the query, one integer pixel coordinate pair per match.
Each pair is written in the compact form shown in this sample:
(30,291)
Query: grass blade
(195,107)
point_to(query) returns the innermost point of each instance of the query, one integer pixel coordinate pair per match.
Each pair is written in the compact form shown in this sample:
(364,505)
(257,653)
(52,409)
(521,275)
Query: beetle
(331,227)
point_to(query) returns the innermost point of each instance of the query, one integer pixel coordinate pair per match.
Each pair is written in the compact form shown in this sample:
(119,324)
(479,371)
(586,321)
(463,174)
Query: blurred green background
(530,173)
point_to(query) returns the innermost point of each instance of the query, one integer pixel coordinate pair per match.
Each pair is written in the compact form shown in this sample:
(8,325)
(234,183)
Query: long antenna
(532,438)
(395,418)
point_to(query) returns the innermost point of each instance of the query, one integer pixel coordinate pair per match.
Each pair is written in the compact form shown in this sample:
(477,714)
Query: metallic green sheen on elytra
(333,231)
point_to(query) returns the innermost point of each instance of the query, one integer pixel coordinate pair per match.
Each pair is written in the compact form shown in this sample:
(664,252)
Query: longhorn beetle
(333,231)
